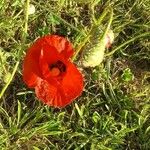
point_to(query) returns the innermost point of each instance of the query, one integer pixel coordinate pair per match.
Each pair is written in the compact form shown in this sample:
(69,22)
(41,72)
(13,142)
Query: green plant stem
(80,47)
(109,23)
(1,61)
(10,79)
(98,22)
(23,39)
(127,42)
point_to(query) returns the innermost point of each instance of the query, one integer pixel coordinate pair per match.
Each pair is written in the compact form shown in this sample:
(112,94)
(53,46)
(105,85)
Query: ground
(113,112)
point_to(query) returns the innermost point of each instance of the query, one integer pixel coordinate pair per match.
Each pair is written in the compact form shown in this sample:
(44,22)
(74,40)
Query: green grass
(113,112)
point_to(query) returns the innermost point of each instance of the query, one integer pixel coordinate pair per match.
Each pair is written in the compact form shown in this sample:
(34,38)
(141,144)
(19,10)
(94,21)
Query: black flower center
(57,68)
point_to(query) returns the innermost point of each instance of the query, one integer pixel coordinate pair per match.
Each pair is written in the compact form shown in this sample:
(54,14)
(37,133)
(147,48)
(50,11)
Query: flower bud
(109,39)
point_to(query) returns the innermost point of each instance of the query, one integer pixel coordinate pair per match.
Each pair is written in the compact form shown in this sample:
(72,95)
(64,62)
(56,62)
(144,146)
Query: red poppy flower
(47,68)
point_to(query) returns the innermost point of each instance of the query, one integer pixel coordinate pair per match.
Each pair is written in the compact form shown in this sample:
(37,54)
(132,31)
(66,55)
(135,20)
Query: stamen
(57,68)
(55,71)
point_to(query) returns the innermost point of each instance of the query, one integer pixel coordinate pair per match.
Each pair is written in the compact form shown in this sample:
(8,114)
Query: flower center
(55,71)
(57,68)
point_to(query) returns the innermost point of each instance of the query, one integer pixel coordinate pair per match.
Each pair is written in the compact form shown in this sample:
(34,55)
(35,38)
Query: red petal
(60,94)
(49,56)
(54,47)
(51,91)
(50,94)
(61,44)
(72,83)
(31,68)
